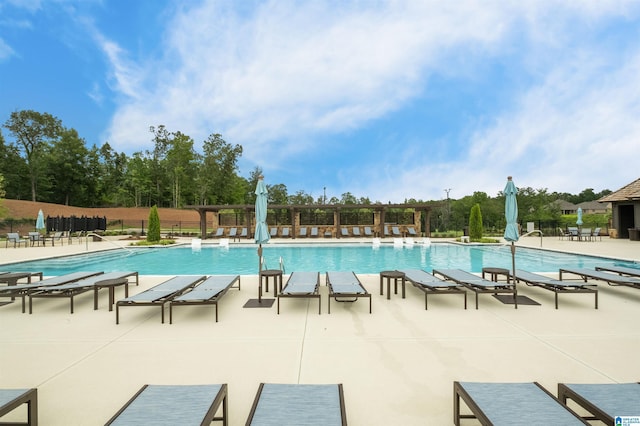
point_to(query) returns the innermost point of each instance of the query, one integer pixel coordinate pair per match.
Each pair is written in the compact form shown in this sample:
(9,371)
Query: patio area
(397,365)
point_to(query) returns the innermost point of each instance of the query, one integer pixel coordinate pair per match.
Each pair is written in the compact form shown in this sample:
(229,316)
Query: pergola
(379,211)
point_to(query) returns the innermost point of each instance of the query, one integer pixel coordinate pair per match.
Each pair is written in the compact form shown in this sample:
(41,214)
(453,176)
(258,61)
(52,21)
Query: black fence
(75,224)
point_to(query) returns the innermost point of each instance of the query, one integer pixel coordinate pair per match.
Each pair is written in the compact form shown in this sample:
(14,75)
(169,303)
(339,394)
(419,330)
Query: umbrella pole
(259,273)
(513,275)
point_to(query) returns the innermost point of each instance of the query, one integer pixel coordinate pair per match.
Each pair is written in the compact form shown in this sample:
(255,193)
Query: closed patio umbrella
(511,215)
(579,220)
(40,221)
(261,232)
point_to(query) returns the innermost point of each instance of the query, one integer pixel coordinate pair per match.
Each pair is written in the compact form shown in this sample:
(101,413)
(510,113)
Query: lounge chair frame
(610,278)
(620,270)
(571,391)
(555,286)
(12,278)
(348,296)
(289,286)
(259,394)
(162,295)
(478,285)
(213,299)
(437,286)
(10,399)
(210,416)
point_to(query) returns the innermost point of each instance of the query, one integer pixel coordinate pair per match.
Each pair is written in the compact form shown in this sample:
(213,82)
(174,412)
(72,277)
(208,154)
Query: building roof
(626,193)
(593,205)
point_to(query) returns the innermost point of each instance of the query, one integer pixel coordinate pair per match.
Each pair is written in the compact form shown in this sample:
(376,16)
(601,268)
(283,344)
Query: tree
(33,131)
(153,235)
(14,169)
(217,179)
(475,223)
(68,170)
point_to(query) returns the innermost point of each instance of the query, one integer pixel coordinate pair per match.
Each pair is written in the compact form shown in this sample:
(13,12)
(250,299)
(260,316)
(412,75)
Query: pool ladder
(93,234)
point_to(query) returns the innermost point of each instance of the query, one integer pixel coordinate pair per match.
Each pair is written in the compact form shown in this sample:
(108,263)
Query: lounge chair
(160,294)
(286,232)
(478,285)
(243,233)
(295,404)
(368,232)
(174,405)
(585,234)
(345,287)
(94,283)
(209,292)
(22,290)
(555,286)
(604,401)
(14,237)
(273,232)
(573,232)
(10,399)
(412,231)
(344,232)
(219,233)
(621,270)
(302,285)
(12,278)
(233,233)
(314,231)
(430,284)
(57,236)
(596,234)
(510,404)
(386,231)
(356,231)
(395,231)
(302,232)
(562,234)
(610,278)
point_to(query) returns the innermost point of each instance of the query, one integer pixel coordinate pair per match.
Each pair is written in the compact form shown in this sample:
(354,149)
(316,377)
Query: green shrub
(153,235)
(475,223)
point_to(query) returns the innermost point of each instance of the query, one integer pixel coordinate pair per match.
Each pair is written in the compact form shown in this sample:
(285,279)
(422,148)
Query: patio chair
(596,234)
(610,278)
(368,232)
(556,286)
(478,285)
(273,232)
(345,287)
(302,285)
(510,404)
(302,232)
(160,294)
(174,405)
(430,284)
(385,231)
(22,290)
(395,231)
(604,401)
(209,292)
(219,233)
(344,232)
(314,231)
(233,233)
(243,233)
(573,232)
(356,231)
(10,399)
(94,283)
(585,234)
(298,404)
(36,238)
(14,237)
(562,234)
(57,236)
(621,270)
(286,232)
(412,231)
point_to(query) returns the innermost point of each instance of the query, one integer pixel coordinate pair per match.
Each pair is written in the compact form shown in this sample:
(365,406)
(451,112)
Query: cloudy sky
(384,99)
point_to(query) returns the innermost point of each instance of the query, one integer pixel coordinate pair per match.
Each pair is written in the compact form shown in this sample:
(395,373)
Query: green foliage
(475,223)
(153,243)
(153,235)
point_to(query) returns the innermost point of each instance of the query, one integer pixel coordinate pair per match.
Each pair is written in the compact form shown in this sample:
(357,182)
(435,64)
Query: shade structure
(579,220)
(40,221)
(511,215)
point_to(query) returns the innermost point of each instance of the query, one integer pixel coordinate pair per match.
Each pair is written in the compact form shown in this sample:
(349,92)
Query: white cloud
(5,50)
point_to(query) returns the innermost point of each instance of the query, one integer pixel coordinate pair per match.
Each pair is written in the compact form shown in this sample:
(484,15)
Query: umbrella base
(508,299)
(255,303)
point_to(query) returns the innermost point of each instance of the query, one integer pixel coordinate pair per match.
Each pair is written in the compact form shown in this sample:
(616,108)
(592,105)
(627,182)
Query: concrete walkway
(397,364)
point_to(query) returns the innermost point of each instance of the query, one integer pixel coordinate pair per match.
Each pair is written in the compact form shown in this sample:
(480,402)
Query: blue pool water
(360,258)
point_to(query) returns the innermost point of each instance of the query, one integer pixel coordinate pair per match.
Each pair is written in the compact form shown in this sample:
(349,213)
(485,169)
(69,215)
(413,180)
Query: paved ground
(397,364)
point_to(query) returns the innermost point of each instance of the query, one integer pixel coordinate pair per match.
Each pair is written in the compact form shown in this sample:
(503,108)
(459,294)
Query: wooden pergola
(378,210)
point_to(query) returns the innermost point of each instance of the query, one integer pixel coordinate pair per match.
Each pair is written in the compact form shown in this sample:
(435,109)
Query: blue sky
(384,99)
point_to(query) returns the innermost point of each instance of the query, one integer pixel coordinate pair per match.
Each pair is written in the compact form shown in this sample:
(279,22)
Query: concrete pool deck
(397,365)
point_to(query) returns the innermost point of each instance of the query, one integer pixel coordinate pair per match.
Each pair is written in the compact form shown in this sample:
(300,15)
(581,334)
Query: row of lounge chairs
(532,404)
(313,231)
(274,404)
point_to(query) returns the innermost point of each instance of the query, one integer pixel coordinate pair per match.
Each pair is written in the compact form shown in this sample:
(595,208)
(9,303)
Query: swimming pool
(360,258)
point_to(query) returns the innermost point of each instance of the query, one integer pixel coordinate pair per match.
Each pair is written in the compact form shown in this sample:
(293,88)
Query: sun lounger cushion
(171,405)
(622,270)
(301,283)
(165,289)
(602,276)
(89,282)
(345,282)
(284,404)
(418,276)
(209,288)
(517,404)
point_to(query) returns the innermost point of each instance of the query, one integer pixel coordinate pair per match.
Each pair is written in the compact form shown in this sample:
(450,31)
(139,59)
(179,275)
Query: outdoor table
(494,272)
(276,274)
(111,285)
(395,276)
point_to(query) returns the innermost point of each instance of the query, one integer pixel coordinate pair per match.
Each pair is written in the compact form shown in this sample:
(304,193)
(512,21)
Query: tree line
(48,162)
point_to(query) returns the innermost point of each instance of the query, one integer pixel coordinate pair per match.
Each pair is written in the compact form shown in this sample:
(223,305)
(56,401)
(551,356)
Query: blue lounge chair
(12,278)
(10,399)
(368,232)
(233,233)
(511,403)
(396,231)
(610,278)
(356,231)
(303,232)
(621,270)
(344,232)
(345,287)
(556,286)
(478,285)
(273,232)
(286,232)
(209,292)
(243,233)
(412,231)
(296,404)
(174,405)
(160,294)
(219,233)
(302,285)
(604,401)
(314,231)
(430,284)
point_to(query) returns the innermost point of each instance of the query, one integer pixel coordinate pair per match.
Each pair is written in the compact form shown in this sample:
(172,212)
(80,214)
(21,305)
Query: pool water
(360,258)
